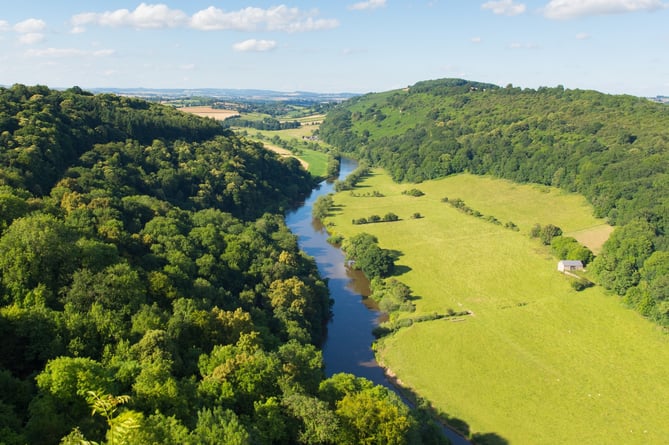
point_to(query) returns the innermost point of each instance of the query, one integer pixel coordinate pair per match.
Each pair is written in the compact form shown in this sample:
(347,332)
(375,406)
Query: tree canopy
(150,291)
(613,149)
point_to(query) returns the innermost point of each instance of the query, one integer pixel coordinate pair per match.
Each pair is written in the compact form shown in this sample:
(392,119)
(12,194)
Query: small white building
(569,265)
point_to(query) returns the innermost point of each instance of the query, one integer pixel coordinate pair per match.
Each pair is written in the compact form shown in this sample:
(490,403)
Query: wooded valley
(151,292)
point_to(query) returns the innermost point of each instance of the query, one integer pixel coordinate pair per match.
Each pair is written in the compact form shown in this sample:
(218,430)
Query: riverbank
(348,347)
(540,362)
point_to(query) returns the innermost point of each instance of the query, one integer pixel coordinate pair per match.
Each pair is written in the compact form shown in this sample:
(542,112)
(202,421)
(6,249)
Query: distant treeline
(267,123)
(612,149)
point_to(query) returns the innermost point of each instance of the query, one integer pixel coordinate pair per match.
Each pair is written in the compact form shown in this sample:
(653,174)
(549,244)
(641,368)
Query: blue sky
(614,46)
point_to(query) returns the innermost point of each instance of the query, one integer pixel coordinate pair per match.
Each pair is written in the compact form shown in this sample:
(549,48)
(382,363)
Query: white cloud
(369,4)
(68,52)
(30,25)
(31,38)
(476,39)
(150,16)
(253,45)
(582,36)
(277,18)
(504,7)
(145,16)
(568,9)
(187,67)
(4,26)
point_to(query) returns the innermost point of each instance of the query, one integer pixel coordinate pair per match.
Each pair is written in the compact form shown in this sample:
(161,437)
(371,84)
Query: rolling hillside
(614,150)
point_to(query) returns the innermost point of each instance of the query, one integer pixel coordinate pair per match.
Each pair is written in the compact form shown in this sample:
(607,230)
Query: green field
(536,362)
(317,160)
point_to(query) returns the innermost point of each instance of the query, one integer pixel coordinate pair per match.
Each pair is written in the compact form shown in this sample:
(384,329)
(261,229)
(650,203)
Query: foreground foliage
(150,291)
(612,149)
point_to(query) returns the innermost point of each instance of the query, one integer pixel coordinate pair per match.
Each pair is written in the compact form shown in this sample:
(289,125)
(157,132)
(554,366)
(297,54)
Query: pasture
(536,362)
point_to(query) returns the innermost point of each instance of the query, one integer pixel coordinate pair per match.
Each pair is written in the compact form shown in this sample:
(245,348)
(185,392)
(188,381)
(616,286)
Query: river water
(347,347)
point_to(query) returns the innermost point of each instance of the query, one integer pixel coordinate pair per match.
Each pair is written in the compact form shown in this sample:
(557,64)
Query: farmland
(214,113)
(536,362)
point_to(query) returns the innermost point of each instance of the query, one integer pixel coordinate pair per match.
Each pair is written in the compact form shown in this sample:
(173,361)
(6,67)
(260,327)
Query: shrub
(413,192)
(581,284)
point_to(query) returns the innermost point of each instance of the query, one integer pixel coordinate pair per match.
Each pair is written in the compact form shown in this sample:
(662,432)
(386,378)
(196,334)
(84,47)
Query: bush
(413,192)
(581,284)
(335,240)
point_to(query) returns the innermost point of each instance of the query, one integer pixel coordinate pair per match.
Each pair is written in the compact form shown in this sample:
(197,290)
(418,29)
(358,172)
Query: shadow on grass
(400,270)
(456,430)
(488,439)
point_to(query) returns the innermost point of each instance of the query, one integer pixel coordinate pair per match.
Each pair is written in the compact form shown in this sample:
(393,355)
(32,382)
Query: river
(347,347)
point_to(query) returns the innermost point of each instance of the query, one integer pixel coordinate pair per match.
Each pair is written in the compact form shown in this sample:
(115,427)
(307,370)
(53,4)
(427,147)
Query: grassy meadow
(317,161)
(536,362)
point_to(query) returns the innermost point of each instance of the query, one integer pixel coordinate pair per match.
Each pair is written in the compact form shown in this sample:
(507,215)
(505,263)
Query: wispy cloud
(30,30)
(353,51)
(150,16)
(504,7)
(476,40)
(582,36)
(253,45)
(518,45)
(569,9)
(278,18)
(31,38)
(30,25)
(4,26)
(68,52)
(369,4)
(143,17)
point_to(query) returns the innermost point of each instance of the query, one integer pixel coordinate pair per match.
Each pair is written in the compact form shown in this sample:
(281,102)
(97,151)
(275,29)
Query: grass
(318,161)
(537,362)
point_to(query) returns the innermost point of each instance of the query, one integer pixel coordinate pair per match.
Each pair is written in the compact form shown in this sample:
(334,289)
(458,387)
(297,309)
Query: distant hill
(614,149)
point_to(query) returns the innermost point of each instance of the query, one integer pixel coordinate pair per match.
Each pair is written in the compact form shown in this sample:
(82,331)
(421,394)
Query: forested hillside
(150,292)
(612,149)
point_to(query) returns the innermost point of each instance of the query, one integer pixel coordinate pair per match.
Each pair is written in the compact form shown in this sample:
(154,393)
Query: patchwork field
(536,362)
(215,113)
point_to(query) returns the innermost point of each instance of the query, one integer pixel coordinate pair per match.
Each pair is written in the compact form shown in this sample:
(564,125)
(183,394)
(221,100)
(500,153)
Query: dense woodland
(612,149)
(150,292)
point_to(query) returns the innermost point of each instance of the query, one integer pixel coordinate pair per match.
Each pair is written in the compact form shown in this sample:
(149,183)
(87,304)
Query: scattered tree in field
(545,233)
(366,255)
(567,248)
(413,192)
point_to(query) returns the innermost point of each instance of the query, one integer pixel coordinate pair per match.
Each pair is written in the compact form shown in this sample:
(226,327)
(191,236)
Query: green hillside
(614,150)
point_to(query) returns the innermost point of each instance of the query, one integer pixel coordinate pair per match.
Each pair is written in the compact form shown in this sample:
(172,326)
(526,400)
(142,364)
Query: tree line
(613,149)
(266,123)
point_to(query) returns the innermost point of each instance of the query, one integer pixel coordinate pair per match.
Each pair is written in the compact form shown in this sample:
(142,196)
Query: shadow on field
(488,439)
(400,270)
(455,429)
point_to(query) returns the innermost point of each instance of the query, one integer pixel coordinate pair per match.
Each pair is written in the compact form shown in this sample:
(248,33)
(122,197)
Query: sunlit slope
(537,362)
